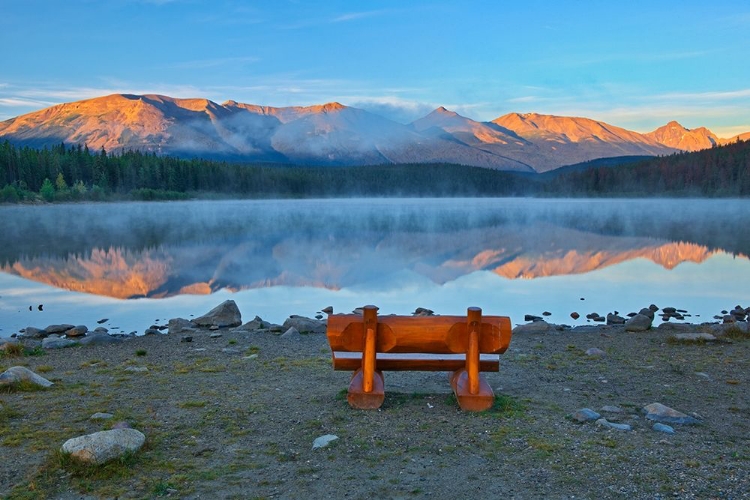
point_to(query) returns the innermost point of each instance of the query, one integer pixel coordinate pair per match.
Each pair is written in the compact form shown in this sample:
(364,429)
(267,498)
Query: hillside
(327,134)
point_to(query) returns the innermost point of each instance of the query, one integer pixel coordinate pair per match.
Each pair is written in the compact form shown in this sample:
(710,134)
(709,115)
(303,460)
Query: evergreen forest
(74,173)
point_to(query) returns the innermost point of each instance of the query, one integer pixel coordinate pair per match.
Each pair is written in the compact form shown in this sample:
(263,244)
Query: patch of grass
(141,352)
(736,333)
(35,351)
(506,407)
(12,350)
(44,368)
(192,404)
(232,341)
(22,386)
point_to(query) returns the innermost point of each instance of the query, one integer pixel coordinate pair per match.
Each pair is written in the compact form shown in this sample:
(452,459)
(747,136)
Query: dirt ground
(236,416)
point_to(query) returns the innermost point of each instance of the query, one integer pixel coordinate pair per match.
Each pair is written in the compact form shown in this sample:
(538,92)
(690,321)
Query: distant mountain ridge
(335,134)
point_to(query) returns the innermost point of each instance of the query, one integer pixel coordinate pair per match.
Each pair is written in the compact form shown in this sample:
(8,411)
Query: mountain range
(334,134)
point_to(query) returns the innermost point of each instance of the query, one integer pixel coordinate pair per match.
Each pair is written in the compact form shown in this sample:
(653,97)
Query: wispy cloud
(18,102)
(353,16)
(214,63)
(704,96)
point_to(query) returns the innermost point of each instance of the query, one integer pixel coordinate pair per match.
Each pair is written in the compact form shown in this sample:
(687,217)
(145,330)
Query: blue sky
(635,64)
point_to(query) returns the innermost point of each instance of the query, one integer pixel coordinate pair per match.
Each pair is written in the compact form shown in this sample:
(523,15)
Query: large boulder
(256,323)
(100,339)
(225,314)
(58,329)
(17,374)
(77,331)
(304,325)
(31,332)
(180,325)
(56,342)
(103,446)
(638,323)
(535,327)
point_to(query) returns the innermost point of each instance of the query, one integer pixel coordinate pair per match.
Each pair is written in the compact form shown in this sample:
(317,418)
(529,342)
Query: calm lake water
(137,264)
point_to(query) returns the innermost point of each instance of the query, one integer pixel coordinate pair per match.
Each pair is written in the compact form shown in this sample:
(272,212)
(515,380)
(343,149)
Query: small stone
(647,312)
(611,409)
(594,352)
(327,310)
(16,374)
(103,320)
(291,332)
(667,429)
(323,441)
(421,311)
(101,416)
(214,336)
(213,327)
(77,331)
(606,423)
(186,338)
(575,315)
(151,331)
(137,369)
(694,337)
(546,313)
(661,413)
(101,447)
(531,317)
(585,415)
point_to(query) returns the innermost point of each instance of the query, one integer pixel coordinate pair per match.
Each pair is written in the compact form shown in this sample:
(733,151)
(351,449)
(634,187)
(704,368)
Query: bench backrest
(425,334)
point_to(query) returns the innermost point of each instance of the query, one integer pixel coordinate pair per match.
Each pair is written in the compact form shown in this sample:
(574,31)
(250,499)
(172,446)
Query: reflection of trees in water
(62,230)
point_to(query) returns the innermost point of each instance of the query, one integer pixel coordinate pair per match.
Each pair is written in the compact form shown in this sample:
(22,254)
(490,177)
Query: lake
(136,264)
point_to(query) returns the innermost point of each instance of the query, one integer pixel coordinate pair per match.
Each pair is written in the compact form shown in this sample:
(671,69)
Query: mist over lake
(134,263)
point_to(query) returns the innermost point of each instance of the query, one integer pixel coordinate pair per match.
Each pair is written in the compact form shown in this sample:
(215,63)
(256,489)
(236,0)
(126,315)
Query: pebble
(606,423)
(323,441)
(667,429)
(661,413)
(101,416)
(585,415)
(594,352)
(137,369)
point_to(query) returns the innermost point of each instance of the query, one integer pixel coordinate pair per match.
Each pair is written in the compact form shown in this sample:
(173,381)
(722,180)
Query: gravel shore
(234,415)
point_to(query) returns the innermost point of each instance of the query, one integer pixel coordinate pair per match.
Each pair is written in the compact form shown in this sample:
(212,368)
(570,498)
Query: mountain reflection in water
(168,249)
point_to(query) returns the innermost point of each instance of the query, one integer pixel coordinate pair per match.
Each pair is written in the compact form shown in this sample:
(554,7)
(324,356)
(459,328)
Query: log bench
(369,344)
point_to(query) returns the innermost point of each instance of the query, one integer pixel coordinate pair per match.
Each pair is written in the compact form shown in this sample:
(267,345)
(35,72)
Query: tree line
(73,173)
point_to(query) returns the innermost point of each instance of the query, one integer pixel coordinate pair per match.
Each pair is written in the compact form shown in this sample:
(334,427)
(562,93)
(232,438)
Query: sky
(634,64)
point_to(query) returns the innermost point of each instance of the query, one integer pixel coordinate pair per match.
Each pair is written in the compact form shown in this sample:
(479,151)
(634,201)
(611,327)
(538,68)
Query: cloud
(394,108)
(704,96)
(353,16)
(17,102)
(213,63)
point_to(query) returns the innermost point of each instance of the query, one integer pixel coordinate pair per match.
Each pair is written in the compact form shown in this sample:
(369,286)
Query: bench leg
(370,400)
(481,400)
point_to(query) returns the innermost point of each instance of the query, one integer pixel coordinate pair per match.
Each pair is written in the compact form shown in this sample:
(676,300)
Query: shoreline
(235,412)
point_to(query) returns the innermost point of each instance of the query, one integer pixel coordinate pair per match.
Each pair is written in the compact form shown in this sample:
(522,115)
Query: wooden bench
(370,344)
